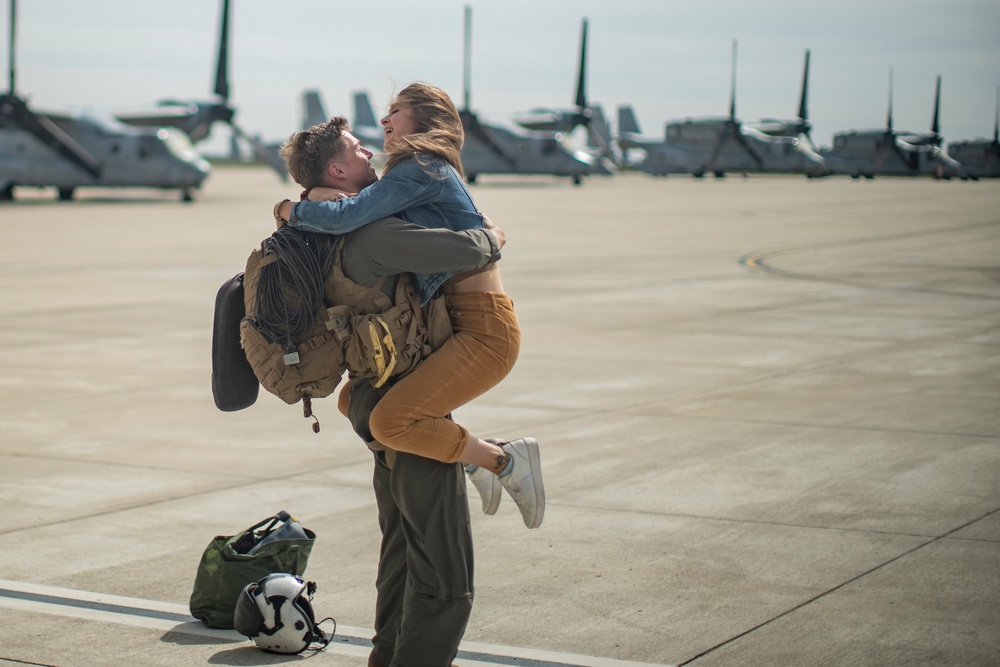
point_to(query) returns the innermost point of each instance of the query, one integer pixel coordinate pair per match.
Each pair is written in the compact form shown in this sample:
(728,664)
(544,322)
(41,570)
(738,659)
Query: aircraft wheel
(577,180)
(186,195)
(7,193)
(65,194)
(471,179)
(870,177)
(719,174)
(855,176)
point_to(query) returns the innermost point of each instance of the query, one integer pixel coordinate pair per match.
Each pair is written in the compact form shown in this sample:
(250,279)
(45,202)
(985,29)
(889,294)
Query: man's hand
(497,232)
(329,194)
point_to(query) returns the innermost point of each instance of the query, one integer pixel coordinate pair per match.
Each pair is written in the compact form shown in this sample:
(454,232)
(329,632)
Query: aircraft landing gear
(66,194)
(471,179)
(577,180)
(186,195)
(719,174)
(7,193)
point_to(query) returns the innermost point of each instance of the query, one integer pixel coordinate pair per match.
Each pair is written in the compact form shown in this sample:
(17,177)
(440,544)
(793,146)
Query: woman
(423,183)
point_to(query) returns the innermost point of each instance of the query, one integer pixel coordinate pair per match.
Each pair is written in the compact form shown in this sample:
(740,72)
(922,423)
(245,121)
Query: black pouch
(234,385)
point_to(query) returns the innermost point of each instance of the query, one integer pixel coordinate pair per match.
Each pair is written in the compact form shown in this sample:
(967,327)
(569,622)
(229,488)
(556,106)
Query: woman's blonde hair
(439,128)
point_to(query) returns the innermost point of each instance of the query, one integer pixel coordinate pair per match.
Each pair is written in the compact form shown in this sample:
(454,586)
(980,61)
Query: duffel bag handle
(257,532)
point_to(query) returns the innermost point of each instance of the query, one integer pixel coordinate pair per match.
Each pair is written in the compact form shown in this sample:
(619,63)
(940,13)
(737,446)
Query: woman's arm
(403,187)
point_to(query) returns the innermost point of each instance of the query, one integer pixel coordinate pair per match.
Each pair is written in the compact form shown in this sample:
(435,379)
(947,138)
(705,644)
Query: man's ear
(334,170)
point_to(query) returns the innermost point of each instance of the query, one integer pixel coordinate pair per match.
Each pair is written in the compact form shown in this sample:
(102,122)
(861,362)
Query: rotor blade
(466,58)
(581,79)
(599,134)
(888,122)
(13,37)
(49,134)
(742,141)
(723,138)
(222,65)
(935,124)
(263,153)
(803,101)
(996,121)
(732,87)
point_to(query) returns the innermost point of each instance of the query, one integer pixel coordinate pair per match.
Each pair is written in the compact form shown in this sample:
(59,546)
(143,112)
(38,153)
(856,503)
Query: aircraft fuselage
(693,147)
(870,153)
(980,158)
(155,159)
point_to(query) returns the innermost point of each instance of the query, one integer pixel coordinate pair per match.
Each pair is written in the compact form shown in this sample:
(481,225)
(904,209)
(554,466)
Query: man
(425,574)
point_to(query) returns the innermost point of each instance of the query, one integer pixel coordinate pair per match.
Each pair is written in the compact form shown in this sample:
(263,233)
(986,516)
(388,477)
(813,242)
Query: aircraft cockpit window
(149,146)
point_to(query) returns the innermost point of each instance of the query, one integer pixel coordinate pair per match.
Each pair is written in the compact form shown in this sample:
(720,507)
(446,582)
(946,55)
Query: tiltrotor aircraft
(980,158)
(889,151)
(494,149)
(582,114)
(66,151)
(717,145)
(799,127)
(196,117)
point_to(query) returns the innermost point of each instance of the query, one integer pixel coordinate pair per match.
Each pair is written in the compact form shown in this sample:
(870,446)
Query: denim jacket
(431,195)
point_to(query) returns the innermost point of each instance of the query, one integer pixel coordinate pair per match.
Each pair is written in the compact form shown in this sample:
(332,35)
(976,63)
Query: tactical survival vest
(381,338)
(355,328)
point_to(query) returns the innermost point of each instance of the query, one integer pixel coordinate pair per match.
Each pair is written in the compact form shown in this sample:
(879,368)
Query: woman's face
(399,122)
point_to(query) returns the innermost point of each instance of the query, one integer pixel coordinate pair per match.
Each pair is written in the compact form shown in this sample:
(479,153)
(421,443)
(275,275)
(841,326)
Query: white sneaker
(488,485)
(524,483)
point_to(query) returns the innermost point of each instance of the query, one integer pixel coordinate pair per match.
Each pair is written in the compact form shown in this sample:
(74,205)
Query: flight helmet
(276,613)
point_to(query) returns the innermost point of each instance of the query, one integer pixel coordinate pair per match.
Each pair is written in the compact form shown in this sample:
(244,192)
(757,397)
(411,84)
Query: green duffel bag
(276,544)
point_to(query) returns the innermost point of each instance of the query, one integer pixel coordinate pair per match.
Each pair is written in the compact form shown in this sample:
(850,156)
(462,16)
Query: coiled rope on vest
(290,290)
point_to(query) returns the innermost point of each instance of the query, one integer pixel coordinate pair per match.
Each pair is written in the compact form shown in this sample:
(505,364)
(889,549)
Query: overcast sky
(668,59)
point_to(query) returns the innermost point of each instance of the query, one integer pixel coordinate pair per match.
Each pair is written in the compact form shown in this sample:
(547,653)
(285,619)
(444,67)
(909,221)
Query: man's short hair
(308,153)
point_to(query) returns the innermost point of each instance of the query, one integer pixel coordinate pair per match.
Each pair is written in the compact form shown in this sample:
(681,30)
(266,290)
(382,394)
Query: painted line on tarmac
(167,617)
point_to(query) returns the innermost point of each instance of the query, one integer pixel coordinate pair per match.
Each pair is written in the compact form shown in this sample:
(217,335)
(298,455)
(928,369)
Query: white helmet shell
(276,614)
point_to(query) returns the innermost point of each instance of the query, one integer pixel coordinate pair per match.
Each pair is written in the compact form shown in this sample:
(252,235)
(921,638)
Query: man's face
(356,164)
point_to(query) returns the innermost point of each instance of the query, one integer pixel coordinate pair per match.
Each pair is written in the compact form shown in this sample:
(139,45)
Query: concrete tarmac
(769,413)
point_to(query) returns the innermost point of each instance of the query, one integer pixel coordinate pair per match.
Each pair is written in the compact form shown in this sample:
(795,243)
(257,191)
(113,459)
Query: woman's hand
(329,194)
(282,210)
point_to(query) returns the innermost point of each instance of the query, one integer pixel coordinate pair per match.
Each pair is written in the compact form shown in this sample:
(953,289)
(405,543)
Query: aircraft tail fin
(627,123)
(313,110)
(364,113)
